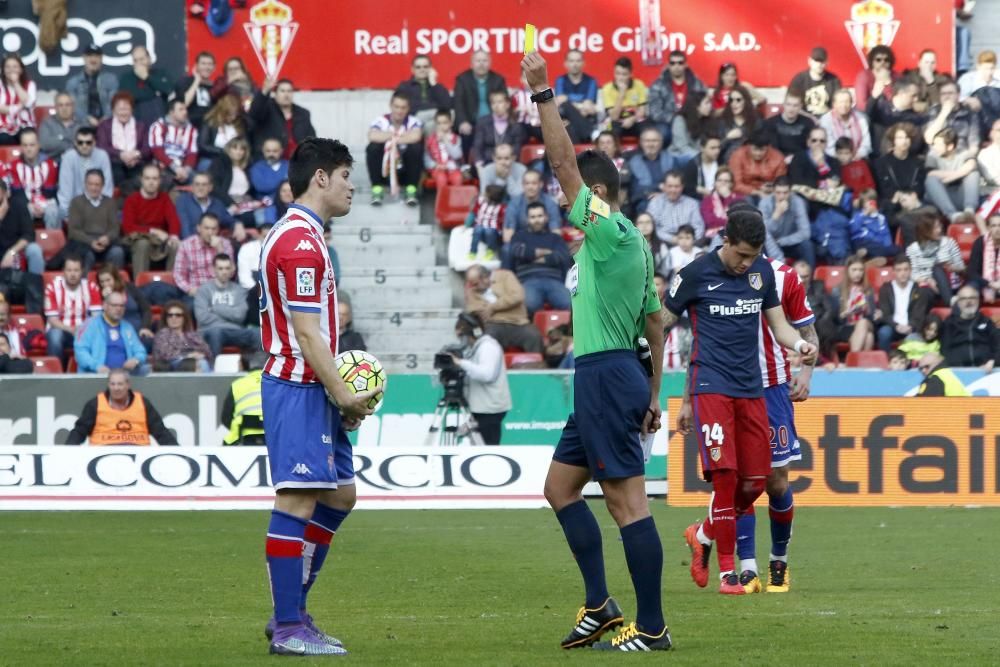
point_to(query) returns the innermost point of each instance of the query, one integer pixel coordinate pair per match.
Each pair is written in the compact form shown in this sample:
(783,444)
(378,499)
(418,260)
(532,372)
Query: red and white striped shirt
(489,214)
(36,180)
(72,306)
(798,312)
(20,113)
(174,145)
(295,275)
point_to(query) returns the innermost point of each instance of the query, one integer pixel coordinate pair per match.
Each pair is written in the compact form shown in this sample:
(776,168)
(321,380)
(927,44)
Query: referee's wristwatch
(543,96)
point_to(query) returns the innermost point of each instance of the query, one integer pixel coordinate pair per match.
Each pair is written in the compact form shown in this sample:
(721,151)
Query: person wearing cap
(92,88)
(815,85)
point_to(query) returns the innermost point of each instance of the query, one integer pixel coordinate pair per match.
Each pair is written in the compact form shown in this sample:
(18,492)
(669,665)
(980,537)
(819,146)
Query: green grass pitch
(498,587)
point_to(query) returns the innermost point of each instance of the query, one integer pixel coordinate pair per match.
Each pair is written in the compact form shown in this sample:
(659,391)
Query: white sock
(783,559)
(722,575)
(702,538)
(748,564)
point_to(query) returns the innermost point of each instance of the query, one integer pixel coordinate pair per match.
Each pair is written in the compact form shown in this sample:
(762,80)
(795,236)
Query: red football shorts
(732,434)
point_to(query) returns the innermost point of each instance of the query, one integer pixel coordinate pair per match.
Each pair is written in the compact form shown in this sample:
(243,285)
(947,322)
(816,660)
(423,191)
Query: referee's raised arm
(558,147)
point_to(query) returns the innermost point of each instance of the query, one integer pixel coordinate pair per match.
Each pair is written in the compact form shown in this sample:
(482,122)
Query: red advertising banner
(325,45)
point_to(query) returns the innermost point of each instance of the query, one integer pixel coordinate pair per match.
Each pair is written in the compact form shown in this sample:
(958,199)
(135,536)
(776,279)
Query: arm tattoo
(669,319)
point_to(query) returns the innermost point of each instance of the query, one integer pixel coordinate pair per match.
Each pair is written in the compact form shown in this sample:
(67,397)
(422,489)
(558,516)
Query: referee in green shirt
(615,402)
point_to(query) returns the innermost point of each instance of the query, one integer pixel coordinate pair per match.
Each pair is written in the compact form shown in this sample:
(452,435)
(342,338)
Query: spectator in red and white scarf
(443,152)
(984,262)
(395,151)
(17,99)
(36,180)
(126,140)
(174,144)
(843,120)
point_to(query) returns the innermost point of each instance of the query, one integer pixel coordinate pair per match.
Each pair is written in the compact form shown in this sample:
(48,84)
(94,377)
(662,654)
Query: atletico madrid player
(725,293)
(310,457)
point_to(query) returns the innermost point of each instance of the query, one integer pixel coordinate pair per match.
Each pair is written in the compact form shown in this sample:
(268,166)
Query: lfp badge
(872,23)
(271,31)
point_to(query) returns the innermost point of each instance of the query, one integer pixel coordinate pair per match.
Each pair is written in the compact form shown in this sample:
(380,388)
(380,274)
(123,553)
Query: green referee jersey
(613,290)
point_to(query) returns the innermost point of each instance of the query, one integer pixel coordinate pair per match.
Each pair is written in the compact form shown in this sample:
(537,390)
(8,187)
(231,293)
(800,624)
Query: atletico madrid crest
(756,281)
(715,453)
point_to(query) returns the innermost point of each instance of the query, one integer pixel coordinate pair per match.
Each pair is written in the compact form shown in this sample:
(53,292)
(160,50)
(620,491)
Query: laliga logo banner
(872,24)
(271,31)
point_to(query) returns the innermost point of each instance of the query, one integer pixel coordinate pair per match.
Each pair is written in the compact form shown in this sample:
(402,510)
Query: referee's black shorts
(610,399)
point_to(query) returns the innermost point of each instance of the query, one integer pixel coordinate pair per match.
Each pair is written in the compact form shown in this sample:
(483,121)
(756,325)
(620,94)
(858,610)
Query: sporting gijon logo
(116,37)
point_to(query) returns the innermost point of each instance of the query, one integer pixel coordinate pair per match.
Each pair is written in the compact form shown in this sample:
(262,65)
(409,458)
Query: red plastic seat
(147,277)
(992,312)
(523,360)
(941,311)
(453,203)
(29,322)
(579,148)
(9,153)
(51,241)
(49,276)
(830,276)
(965,235)
(546,320)
(47,366)
(532,152)
(43,112)
(122,273)
(868,359)
(878,276)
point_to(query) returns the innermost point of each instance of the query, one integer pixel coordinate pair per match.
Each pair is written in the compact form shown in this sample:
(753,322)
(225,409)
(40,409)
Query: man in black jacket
(11,362)
(541,259)
(472,95)
(278,117)
(969,338)
(21,260)
(893,325)
(426,95)
(984,262)
(110,417)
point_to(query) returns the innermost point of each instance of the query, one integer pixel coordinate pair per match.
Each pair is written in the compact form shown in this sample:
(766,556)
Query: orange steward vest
(120,427)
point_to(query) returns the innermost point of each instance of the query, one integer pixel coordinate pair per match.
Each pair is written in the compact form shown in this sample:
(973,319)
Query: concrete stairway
(403,300)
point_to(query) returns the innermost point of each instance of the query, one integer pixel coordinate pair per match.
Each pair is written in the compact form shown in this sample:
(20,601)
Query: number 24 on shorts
(713,434)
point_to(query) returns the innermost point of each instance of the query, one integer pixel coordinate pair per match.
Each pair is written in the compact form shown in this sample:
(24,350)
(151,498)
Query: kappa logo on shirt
(305,245)
(305,281)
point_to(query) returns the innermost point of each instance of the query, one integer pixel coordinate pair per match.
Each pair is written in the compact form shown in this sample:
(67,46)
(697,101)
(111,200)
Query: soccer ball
(361,371)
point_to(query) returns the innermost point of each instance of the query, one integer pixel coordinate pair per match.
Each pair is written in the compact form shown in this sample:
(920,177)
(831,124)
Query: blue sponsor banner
(893,383)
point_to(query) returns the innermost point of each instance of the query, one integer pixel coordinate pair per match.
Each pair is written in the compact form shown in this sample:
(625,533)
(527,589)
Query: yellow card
(529,38)
(600,207)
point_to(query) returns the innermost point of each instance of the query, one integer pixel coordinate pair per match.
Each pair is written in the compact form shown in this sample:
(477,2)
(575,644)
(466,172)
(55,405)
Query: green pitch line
(870,586)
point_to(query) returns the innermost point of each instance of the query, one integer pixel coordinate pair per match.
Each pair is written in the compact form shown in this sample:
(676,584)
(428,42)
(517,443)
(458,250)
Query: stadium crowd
(885,194)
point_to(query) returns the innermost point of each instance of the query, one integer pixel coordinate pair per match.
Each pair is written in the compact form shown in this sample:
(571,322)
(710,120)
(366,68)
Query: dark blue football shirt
(725,312)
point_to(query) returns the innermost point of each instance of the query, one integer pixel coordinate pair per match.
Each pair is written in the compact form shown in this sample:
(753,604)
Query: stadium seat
(941,311)
(453,204)
(878,276)
(831,276)
(71,366)
(531,153)
(868,359)
(9,153)
(147,277)
(47,366)
(579,148)
(51,241)
(524,360)
(29,322)
(49,276)
(123,273)
(965,235)
(545,320)
(992,312)
(771,110)
(43,112)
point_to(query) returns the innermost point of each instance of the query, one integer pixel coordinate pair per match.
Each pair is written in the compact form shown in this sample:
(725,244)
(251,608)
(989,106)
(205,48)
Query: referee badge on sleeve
(756,281)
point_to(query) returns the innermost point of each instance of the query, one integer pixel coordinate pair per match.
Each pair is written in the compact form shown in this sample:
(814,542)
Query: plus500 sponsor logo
(742,307)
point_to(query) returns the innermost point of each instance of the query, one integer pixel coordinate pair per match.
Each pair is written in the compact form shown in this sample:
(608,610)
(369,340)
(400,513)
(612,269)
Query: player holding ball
(615,400)
(725,293)
(310,457)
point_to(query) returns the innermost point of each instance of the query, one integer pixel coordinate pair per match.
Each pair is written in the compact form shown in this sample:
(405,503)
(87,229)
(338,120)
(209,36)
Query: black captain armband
(543,96)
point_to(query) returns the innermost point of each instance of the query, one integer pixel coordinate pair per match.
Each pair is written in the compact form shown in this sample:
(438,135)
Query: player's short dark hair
(746,225)
(315,153)
(624,62)
(901,258)
(221,257)
(677,52)
(598,169)
(85,131)
(844,144)
(685,229)
(742,205)
(93,172)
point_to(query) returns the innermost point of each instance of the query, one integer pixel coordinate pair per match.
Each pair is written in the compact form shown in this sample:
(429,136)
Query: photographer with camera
(486,390)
